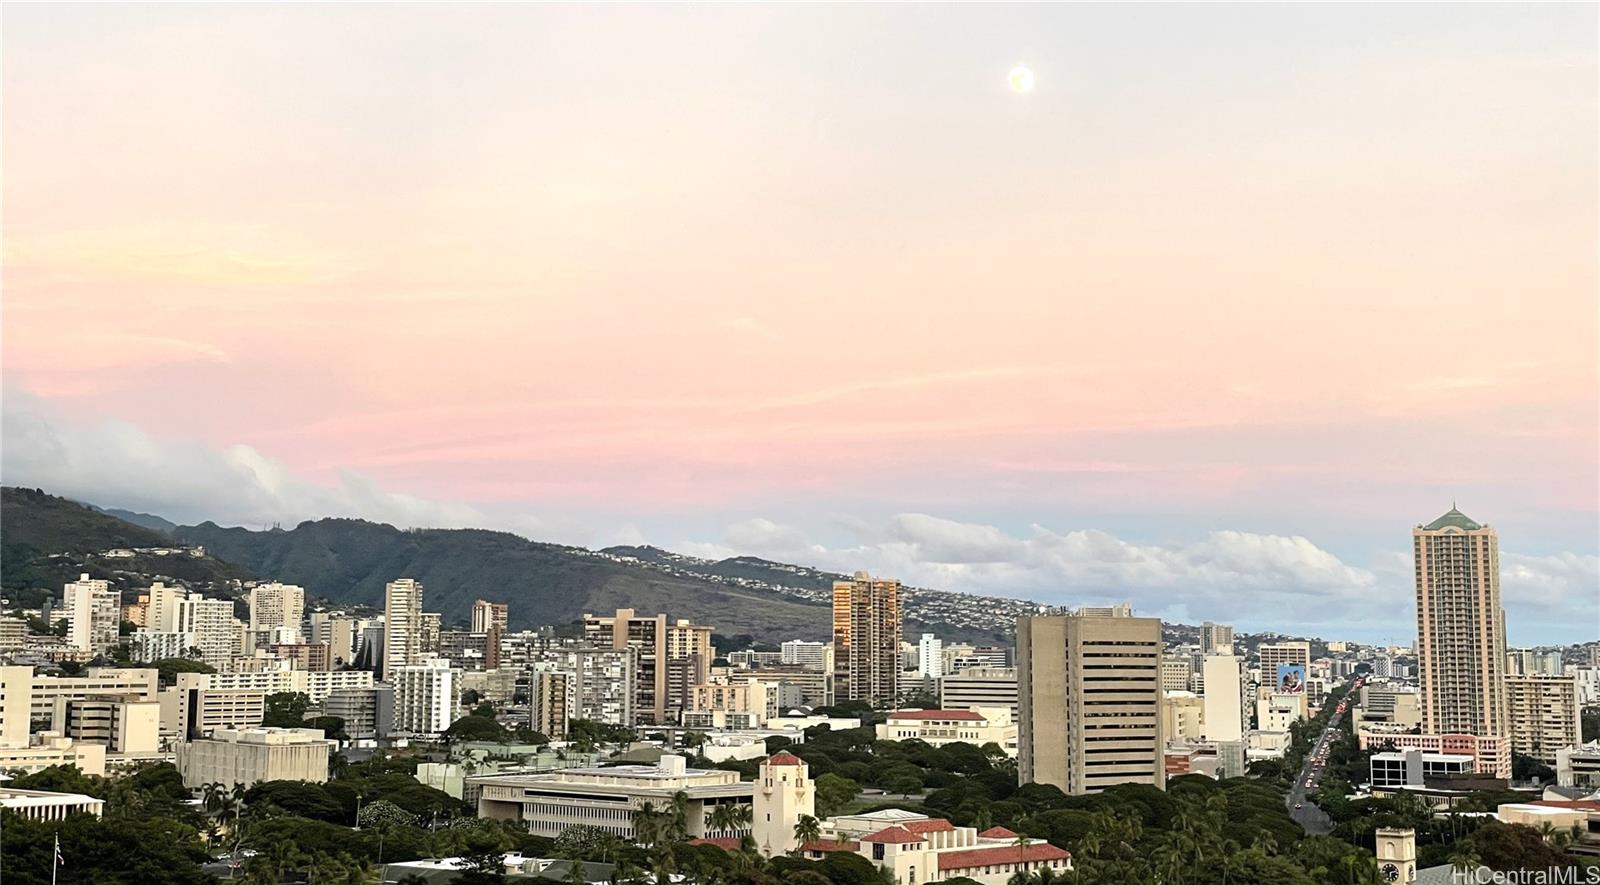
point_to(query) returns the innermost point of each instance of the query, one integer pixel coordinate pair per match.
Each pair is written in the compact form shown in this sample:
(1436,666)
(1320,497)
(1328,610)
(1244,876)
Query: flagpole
(55,862)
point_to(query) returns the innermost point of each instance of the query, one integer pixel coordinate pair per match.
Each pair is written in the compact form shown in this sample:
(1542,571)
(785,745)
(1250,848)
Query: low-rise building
(49,748)
(1183,716)
(368,713)
(547,804)
(979,687)
(1491,755)
(41,805)
(249,756)
(1579,766)
(979,726)
(125,724)
(1413,768)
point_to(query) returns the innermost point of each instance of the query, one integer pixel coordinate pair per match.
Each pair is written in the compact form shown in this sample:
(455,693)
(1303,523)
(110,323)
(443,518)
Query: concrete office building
(368,713)
(48,749)
(1176,673)
(866,640)
(1223,700)
(1461,628)
(1543,715)
(1182,717)
(44,691)
(403,630)
(125,724)
(981,687)
(45,806)
(1216,639)
(188,713)
(1387,707)
(606,798)
(94,614)
(250,756)
(1089,687)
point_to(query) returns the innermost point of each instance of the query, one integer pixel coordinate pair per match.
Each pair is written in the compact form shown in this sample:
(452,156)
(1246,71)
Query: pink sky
(1225,265)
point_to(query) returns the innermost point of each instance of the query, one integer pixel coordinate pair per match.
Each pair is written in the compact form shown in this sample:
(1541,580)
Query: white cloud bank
(1256,581)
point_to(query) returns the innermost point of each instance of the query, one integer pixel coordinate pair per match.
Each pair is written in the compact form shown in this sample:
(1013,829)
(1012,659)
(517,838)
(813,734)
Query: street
(1311,818)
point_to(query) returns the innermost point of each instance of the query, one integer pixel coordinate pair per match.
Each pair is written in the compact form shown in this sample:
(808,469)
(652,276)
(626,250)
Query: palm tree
(807,830)
(646,824)
(1022,853)
(677,823)
(212,797)
(1265,843)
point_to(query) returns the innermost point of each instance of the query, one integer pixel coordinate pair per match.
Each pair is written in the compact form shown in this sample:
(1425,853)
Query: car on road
(1299,805)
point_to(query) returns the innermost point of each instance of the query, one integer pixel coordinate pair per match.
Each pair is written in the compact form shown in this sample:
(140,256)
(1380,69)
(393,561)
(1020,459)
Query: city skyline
(1207,324)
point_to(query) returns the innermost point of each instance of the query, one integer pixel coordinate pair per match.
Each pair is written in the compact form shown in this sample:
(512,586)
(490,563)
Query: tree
(834,793)
(286,709)
(167,669)
(808,829)
(475,728)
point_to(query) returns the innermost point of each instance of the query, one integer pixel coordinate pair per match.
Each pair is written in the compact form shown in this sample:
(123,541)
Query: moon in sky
(1021,80)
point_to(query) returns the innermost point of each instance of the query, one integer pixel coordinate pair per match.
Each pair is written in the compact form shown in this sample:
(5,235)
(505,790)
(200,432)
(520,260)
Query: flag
(60,862)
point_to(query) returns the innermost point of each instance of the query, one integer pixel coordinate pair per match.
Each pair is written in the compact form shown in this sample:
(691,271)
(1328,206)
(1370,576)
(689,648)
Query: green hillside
(350,560)
(47,541)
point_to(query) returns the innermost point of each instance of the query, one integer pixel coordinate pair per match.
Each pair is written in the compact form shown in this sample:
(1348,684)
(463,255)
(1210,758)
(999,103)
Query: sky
(1207,321)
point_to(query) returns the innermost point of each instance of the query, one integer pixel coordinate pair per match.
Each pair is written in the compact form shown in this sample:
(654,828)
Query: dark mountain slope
(350,560)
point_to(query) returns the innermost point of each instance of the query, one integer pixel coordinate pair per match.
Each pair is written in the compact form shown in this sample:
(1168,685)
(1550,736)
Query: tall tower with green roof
(1461,627)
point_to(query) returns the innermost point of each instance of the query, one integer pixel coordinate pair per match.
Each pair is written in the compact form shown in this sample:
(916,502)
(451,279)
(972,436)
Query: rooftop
(895,834)
(1001,854)
(953,715)
(1454,519)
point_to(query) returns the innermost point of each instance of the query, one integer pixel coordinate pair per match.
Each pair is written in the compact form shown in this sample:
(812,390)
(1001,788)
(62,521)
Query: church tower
(783,794)
(1397,855)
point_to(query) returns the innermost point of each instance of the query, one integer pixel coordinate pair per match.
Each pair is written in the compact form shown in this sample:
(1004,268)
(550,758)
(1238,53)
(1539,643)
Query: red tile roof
(962,715)
(784,758)
(827,845)
(893,834)
(1000,854)
(931,825)
(726,843)
(997,833)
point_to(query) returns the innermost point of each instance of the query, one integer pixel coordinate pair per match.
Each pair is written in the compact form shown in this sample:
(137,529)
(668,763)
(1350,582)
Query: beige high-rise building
(487,615)
(1543,715)
(490,619)
(211,623)
(1175,673)
(1216,639)
(277,605)
(1461,628)
(866,640)
(689,654)
(1273,656)
(647,635)
(1224,708)
(1089,688)
(94,613)
(161,613)
(402,625)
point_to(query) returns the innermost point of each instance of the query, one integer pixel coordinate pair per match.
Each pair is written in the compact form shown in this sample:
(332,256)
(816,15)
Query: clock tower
(1397,855)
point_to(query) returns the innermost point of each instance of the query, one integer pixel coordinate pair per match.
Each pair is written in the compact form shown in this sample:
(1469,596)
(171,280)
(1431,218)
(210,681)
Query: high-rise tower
(866,640)
(1461,628)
